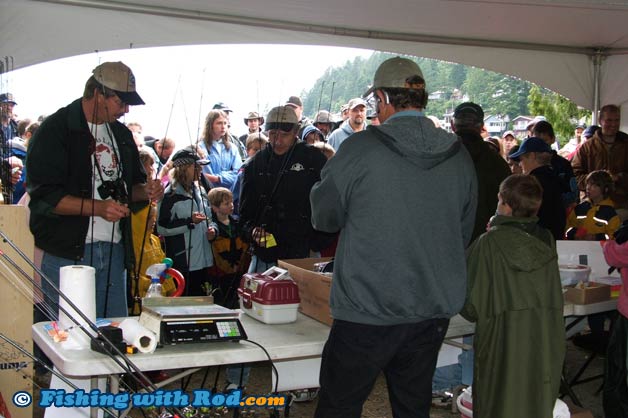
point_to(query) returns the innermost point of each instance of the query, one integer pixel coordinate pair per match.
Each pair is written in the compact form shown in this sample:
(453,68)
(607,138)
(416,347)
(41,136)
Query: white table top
(592,308)
(301,339)
(304,338)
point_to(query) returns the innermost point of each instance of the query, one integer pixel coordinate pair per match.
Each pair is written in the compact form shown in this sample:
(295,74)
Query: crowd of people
(389,199)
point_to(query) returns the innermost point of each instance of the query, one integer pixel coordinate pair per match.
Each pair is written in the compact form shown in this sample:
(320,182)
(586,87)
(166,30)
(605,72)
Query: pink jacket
(616,255)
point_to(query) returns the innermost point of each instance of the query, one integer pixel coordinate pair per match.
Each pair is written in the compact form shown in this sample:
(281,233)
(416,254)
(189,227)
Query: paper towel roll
(133,333)
(77,283)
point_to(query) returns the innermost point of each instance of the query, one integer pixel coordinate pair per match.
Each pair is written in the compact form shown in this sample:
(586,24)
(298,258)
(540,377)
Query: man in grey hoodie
(404,196)
(355,123)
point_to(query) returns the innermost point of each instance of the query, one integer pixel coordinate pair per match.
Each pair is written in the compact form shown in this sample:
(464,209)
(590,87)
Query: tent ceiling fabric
(549,42)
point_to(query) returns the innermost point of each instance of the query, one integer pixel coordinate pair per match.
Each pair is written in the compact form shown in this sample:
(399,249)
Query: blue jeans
(116,300)
(234,372)
(259,266)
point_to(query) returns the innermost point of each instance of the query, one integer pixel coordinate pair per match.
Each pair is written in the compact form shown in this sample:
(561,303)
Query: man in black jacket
(535,157)
(274,203)
(490,168)
(84,178)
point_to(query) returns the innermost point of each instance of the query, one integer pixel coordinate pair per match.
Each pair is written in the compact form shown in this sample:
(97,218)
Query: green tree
(561,112)
(498,94)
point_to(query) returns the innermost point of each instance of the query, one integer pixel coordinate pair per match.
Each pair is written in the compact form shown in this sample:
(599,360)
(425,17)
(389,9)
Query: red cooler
(271,297)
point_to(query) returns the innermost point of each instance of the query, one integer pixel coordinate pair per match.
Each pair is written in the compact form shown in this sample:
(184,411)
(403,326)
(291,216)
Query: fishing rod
(320,97)
(200,107)
(127,366)
(65,380)
(331,96)
(172,106)
(137,300)
(112,352)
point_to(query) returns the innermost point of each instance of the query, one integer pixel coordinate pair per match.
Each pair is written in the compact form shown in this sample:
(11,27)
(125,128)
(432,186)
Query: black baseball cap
(469,110)
(187,156)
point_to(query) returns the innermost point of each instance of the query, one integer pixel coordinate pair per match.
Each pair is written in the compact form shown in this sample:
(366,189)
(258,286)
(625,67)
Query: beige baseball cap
(119,78)
(282,114)
(358,101)
(394,73)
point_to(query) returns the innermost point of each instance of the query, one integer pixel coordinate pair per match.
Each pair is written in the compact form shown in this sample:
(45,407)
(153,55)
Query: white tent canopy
(578,48)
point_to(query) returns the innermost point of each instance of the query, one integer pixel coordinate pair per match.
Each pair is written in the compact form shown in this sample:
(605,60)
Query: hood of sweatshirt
(418,140)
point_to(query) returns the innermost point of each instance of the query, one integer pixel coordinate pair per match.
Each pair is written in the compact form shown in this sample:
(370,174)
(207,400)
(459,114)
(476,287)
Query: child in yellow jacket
(594,219)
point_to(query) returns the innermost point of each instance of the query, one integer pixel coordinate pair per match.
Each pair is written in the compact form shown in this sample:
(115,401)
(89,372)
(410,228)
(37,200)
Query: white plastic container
(272,314)
(465,405)
(571,274)
(464,402)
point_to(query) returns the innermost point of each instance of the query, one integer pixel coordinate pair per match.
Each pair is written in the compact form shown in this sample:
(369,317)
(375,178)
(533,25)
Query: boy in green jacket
(514,295)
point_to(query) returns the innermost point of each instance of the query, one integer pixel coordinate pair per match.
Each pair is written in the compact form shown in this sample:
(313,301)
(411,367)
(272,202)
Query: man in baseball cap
(355,123)
(324,122)
(274,202)
(296,104)
(7,98)
(416,181)
(85,178)
(9,125)
(534,157)
(491,169)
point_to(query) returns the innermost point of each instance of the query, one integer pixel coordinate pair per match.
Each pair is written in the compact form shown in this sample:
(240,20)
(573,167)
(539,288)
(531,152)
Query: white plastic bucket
(465,403)
(465,406)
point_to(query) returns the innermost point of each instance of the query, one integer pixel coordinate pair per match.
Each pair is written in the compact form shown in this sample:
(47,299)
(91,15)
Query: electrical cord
(272,363)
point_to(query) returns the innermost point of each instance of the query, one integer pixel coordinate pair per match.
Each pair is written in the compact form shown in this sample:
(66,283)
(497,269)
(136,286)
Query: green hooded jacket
(514,295)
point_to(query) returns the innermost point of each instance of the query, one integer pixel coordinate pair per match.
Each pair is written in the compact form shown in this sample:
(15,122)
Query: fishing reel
(115,189)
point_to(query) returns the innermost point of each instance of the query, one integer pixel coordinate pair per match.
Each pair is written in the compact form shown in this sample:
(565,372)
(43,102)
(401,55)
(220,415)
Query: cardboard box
(593,293)
(17,308)
(314,287)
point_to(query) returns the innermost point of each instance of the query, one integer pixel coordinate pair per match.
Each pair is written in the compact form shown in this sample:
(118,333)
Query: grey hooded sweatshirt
(403,196)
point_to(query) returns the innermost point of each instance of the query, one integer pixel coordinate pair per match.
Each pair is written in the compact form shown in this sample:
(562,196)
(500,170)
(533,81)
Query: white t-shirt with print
(107,156)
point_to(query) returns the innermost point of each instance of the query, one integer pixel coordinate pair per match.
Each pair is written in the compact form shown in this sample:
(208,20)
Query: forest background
(498,94)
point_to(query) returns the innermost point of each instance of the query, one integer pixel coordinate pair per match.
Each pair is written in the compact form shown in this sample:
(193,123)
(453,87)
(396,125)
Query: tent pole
(598,57)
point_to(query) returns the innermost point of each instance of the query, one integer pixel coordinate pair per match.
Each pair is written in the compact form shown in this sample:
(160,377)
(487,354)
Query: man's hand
(16,169)
(111,210)
(257,234)
(154,190)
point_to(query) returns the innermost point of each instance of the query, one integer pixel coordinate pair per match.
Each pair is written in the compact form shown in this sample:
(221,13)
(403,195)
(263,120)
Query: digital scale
(190,320)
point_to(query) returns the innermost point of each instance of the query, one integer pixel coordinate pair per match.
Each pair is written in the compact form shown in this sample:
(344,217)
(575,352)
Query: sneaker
(442,399)
(230,387)
(233,386)
(304,395)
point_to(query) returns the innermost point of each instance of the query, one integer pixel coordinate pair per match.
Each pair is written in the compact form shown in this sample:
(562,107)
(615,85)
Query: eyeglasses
(281,126)
(118,101)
